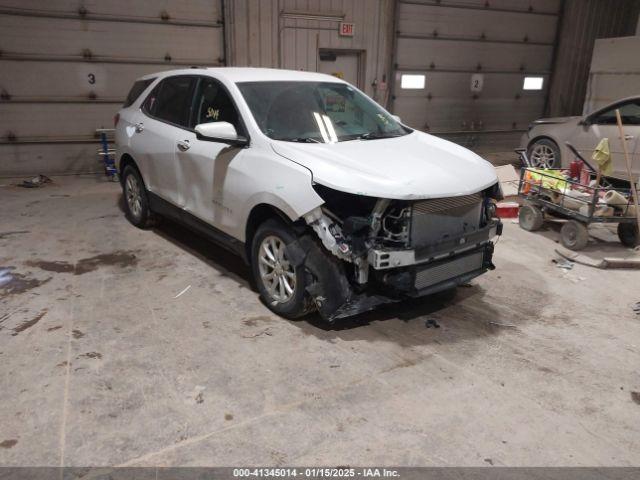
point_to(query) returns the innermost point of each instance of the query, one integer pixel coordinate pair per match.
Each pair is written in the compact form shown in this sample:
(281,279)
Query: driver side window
(213,104)
(629,113)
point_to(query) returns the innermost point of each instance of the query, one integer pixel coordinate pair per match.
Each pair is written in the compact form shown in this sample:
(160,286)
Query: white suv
(336,205)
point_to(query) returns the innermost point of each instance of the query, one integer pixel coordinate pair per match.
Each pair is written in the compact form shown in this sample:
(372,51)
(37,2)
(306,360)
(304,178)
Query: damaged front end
(368,251)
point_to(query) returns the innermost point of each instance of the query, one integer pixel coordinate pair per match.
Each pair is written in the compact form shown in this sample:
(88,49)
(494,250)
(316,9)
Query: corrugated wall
(451,42)
(614,73)
(583,22)
(67,65)
(290,33)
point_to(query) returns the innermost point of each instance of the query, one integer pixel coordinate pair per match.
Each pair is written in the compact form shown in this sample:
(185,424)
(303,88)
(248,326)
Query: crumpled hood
(555,120)
(414,166)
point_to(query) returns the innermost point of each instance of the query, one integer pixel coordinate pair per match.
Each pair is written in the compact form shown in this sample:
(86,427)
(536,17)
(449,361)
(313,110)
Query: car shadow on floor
(223,261)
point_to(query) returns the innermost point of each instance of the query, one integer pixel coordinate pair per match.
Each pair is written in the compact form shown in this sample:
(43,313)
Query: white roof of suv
(250,74)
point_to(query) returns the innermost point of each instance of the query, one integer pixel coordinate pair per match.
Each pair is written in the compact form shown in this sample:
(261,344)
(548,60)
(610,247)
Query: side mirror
(396,118)
(221,132)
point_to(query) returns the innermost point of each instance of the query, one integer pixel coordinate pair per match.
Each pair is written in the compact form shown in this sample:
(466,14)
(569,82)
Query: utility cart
(576,202)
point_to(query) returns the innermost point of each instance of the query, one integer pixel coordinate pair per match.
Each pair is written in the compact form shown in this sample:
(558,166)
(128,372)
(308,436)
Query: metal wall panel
(290,33)
(614,73)
(451,40)
(67,65)
(584,21)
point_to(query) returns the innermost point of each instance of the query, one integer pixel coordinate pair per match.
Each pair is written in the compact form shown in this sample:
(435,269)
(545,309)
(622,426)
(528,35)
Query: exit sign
(346,29)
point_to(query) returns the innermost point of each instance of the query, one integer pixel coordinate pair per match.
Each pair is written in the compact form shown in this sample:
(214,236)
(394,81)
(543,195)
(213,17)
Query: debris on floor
(636,308)
(563,264)
(504,325)
(607,262)
(635,396)
(509,180)
(507,209)
(35,182)
(5,276)
(183,291)
(430,322)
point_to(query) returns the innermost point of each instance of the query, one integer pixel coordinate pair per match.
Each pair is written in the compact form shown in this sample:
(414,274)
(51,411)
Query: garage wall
(450,41)
(290,33)
(614,73)
(584,21)
(67,65)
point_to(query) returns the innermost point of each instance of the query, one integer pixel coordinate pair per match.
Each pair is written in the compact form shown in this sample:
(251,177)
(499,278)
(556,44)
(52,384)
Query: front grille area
(434,221)
(449,269)
(441,204)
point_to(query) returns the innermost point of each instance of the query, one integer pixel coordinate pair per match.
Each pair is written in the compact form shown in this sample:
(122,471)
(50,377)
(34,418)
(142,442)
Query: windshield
(317,112)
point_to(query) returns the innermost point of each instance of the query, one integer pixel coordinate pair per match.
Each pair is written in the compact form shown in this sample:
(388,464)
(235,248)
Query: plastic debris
(35,182)
(430,322)
(5,276)
(563,264)
(183,291)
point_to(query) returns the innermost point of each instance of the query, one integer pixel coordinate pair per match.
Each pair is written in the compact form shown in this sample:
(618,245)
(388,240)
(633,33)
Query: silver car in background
(546,137)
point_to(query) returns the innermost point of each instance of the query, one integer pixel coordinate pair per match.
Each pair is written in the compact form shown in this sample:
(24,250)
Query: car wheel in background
(281,284)
(544,153)
(136,202)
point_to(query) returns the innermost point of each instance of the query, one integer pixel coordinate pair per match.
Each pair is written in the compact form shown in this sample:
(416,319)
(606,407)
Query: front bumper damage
(392,274)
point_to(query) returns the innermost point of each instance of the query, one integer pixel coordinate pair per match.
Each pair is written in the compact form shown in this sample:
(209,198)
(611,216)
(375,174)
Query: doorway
(347,65)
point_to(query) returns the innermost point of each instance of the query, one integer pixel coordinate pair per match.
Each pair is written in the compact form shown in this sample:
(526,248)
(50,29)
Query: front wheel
(281,284)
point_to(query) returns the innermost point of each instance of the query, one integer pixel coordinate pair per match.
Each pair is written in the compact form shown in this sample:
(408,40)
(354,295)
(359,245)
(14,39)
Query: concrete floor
(104,363)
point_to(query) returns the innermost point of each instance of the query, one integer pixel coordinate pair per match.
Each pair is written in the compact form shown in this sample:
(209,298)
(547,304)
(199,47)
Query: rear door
(163,119)
(204,164)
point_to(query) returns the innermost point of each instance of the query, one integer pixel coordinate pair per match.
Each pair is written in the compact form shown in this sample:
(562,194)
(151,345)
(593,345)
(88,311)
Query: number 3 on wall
(92,78)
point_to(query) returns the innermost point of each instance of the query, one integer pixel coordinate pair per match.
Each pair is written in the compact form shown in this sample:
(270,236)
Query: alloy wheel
(276,272)
(543,156)
(134,196)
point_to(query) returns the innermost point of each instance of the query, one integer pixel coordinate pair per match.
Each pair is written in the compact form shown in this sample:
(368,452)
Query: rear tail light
(116,119)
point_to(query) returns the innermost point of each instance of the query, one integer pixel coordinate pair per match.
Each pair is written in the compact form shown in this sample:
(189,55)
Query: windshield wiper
(301,140)
(376,136)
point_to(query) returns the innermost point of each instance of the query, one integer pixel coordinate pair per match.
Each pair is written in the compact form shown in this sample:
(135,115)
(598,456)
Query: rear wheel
(136,202)
(628,234)
(281,284)
(574,235)
(544,153)
(530,218)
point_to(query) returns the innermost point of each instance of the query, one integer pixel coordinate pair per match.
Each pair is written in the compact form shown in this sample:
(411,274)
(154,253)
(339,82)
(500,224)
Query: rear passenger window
(137,89)
(171,100)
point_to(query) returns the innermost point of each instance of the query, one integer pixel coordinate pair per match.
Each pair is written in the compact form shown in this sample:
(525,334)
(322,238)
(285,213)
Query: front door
(604,125)
(204,164)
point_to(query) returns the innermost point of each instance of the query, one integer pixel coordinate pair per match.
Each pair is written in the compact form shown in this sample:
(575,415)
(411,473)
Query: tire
(530,218)
(628,234)
(269,260)
(574,235)
(136,201)
(544,153)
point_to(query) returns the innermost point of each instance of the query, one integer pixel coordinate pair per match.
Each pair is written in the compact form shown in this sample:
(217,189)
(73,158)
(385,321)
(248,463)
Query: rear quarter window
(136,90)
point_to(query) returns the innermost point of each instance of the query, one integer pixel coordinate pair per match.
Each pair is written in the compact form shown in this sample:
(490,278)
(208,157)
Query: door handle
(183,145)
(139,127)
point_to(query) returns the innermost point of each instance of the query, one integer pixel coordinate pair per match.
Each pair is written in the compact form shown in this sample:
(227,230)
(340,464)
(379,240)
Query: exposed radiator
(433,221)
(448,270)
